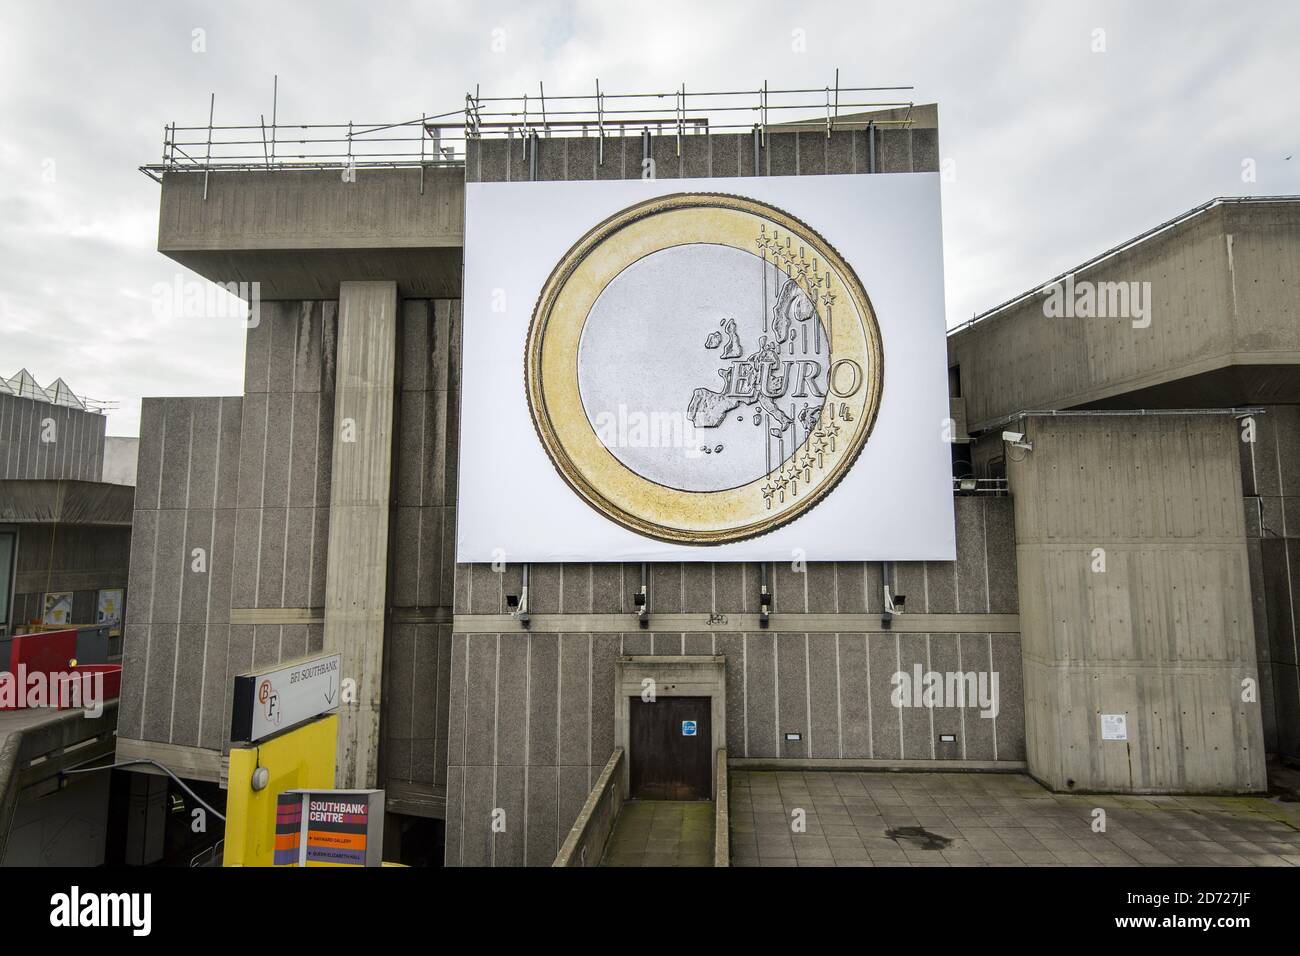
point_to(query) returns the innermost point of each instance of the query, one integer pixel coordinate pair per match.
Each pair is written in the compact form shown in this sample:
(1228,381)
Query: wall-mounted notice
(57,610)
(657,370)
(1114,727)
(109,611)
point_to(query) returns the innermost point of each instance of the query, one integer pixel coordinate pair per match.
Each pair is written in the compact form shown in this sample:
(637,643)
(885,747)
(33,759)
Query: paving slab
(993,819)
(669,833)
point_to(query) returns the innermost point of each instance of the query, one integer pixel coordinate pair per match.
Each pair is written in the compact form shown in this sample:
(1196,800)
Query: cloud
(1059,151)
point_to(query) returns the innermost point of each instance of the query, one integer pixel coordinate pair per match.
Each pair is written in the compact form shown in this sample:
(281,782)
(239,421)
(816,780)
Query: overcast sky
(1058,151)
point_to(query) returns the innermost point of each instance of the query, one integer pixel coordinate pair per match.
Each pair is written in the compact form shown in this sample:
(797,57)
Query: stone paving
(662,833)
(994,819)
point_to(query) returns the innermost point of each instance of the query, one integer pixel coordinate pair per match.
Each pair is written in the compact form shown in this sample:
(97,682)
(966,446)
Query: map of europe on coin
(703,368)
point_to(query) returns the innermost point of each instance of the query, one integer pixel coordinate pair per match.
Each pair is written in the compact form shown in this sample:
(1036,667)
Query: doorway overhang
(669,676)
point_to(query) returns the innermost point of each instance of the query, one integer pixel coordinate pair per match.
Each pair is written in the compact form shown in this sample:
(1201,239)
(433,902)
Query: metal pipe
(153,763)
(1236,412)
(631,96)
(886,572)
(600,126)
(643,618)
(275,105)
(212,104)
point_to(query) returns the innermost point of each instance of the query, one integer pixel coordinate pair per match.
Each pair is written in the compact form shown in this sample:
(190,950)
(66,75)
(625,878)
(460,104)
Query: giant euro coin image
(703,368)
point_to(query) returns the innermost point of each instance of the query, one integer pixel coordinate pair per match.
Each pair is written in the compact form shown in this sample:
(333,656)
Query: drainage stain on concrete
(919,837)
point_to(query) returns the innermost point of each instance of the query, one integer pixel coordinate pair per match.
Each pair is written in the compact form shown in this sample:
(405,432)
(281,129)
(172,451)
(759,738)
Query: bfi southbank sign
(269,702)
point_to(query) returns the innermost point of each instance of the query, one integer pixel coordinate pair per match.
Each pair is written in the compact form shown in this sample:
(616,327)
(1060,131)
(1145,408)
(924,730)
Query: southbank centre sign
(329,828)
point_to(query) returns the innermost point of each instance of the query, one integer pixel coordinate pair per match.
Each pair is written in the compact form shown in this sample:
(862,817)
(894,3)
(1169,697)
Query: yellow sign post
(300,759)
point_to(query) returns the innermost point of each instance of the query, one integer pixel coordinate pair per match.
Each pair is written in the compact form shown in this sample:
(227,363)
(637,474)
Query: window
(8,549)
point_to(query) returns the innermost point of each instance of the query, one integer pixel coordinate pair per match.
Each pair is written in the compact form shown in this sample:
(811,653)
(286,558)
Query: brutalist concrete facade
(532,714)
(1270,479)
(1222,333)
(73,530)
(471,714)
(231,543)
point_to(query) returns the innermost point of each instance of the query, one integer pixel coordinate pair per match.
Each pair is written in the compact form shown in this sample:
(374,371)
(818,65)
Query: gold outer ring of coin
(551,372)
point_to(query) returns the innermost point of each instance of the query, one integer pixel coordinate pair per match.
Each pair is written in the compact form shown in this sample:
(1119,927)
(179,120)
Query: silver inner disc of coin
(702,367)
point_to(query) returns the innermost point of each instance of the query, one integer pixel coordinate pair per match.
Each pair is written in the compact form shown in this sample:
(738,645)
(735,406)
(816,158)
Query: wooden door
(671,743)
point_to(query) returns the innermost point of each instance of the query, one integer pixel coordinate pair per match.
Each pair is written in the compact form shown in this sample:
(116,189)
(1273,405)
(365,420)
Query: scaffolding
(440,140)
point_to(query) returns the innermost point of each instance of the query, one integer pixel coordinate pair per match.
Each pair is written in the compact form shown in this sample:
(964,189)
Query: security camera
(1017,440)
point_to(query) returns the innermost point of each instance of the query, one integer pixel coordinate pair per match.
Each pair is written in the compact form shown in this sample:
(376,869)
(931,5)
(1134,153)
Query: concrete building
(313,544)
(1179,415)
(67,529)
(65,536)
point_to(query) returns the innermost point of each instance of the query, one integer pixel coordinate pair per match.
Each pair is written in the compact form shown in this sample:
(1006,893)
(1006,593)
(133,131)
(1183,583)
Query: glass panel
(7,541)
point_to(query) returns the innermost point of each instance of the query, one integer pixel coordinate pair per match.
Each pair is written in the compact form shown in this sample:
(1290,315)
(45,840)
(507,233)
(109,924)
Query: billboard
(657,370)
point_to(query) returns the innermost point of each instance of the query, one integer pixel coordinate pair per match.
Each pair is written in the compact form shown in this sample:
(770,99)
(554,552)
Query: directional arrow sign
(268,702)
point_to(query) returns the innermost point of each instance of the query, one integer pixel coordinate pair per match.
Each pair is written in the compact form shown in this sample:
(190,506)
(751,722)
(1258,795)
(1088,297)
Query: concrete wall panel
(40,440)
(1164,633)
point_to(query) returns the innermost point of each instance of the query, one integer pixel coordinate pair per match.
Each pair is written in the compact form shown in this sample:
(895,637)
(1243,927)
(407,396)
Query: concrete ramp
(612,830)
(662,833)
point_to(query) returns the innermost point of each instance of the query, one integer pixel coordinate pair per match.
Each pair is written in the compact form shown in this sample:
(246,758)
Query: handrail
(585,844)
(721,811)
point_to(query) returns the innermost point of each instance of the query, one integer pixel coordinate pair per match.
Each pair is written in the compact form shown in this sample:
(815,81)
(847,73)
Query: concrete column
(146,822)
(360,487)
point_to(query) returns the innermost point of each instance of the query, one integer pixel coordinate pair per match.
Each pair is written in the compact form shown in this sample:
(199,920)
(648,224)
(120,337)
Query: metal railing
(210,856)
(308,146)
(985,487)
(440,139)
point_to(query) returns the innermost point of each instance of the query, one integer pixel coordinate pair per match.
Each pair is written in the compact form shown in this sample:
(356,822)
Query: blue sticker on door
(688,728)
